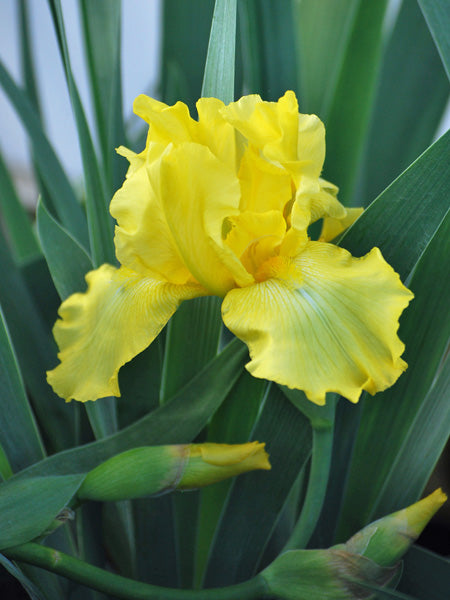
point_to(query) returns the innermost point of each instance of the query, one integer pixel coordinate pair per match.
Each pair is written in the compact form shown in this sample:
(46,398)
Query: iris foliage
(379,82)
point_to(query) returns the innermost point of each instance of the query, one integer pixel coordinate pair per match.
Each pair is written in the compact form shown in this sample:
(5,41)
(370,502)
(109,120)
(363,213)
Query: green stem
(122,587)
(317,486)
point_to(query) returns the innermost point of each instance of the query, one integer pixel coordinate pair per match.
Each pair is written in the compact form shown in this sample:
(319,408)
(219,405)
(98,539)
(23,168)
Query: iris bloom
(221,206)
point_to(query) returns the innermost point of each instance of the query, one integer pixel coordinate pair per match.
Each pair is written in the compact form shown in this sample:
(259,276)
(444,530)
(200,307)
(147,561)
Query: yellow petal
(294,140)
(143,239)
(100,330)
(264,185)
(198,192)
(215,132)
(270,126)
(322,322)
(332,226)
(168,124)
(255,237)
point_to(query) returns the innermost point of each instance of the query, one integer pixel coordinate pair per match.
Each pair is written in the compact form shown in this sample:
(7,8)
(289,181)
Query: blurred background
(141,67)
(141,42)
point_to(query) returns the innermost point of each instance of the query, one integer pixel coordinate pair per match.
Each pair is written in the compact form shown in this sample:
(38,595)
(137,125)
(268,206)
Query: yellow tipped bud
(209,463)
(369,559)
(154,470)
(386,540)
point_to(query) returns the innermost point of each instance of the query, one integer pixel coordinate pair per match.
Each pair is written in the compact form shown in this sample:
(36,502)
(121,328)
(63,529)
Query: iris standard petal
(270,126)
(198,192)
(143,239)
(100,330)
(168,124)
(216,133)
(322,322)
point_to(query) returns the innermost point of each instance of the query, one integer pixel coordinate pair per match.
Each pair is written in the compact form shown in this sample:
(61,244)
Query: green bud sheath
(145,471)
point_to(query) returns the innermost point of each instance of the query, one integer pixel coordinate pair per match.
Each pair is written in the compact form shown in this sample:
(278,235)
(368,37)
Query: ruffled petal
(143,239)
(198,192)
(168,124)
(322,322)
(100,330)
(270,126)
(284,136)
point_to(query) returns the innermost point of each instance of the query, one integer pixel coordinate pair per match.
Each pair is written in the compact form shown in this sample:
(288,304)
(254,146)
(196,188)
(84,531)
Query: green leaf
(412,94)
(318,68)
(169,424)
(402,220)
(425,575)
(438,18)
(347,121)
(66,259)
(232,424)
(28,69)
(255,501)
(68,264)
(139,384)
(192,340)
(32,591)
(218,79)
(101,35)
(35,353)
(267,38)
(15,219)
(396,469)
(100,222)
(19,435)
(28,507)
(61,193)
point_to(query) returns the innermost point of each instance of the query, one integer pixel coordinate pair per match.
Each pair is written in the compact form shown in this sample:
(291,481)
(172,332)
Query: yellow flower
(221,206)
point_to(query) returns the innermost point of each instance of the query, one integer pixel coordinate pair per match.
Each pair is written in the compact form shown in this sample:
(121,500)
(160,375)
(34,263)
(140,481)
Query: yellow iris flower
(221,206)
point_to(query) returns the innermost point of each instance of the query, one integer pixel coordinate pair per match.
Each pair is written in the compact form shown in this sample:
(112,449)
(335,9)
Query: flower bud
(209,463)
(350,571)
(387,539)
(154,470)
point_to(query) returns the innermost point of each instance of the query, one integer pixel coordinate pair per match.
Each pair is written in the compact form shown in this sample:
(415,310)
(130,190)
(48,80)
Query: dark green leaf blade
(63,198)
(101,22)
(390,421)
(347,121)
(35,353)
(169,424)
(28,507)
(256,500)
(437,16)
(218,79)
(66,259)
(15,219)
(425,574)
(411,97)
(402,220)
(319,68)
(100,222)
(19,435)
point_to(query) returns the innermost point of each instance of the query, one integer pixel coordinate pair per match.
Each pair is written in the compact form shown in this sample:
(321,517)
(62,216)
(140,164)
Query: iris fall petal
(322,322)
(98,331)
